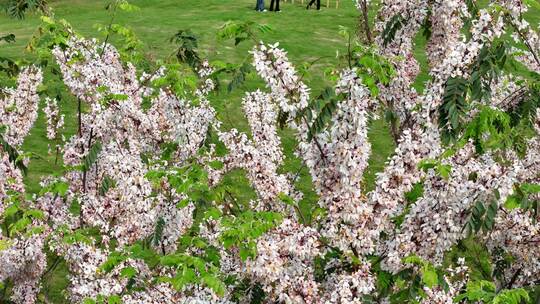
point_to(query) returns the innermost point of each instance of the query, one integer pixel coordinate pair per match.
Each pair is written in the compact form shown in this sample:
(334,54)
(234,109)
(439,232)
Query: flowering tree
(140,216)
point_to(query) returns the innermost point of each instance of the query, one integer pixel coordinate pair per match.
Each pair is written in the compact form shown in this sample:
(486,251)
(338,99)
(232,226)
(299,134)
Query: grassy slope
(306,35)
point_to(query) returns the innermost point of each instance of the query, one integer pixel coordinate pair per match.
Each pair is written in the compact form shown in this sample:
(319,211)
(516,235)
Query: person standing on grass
(260,6)
(313,1)
(272,6)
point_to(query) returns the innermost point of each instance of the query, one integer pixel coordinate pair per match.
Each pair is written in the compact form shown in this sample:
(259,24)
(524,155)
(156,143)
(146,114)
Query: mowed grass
(308,36)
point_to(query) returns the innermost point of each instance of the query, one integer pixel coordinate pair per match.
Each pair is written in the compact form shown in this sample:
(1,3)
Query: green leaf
(127,7)
(215,284)
(47,19)
(128,272)
(324,116)
(60,188)
(512,202)
(4,244)
(114,299)
(91,158)
(213,213)
(286,199)
(413,259)
(444,170)
(478,291)
(35,213)
(530,188)
(112,262)
(429,276)
(172,260)
(247,251)
(533,3)
(106,184)
(158,231)
(146,254)
(416,192)
(489,220)
(514,296)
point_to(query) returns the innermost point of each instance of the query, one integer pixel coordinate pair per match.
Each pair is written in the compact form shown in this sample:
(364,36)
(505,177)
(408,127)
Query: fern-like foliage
(106,184)
(513,296)
(242,31)
(460,92)
(392,27)
(90,159)
(239,75)
(158,232)
(18,8)
(487,69)
(187,52)
(485,292)
(322,109)
(482,217)
(453,109)
(523,197)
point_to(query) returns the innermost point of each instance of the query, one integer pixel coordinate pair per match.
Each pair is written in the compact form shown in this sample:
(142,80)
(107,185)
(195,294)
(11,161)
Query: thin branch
(365,14)
(524,39)
(514,278)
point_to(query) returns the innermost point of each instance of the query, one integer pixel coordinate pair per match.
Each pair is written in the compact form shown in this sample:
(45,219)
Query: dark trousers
(318,4)
(272,5)
(260,5)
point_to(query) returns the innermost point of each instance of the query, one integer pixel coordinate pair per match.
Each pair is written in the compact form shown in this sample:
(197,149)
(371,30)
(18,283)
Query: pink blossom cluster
(284,263)
(19,106)
(336,167)
(260,156)
(23,262)
(55,121)
(112,188)
(437,220)
(22,253)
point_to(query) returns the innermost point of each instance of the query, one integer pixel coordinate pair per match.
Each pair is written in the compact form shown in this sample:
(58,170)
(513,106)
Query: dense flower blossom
(347,288)
(347,158)
(261,156)
(23,262)
(23,257)
(336,166)
(284,263)
(55,121)
(11,180)
(432,227)
(115,95)
(112,189)
(18,106)
(122,145)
